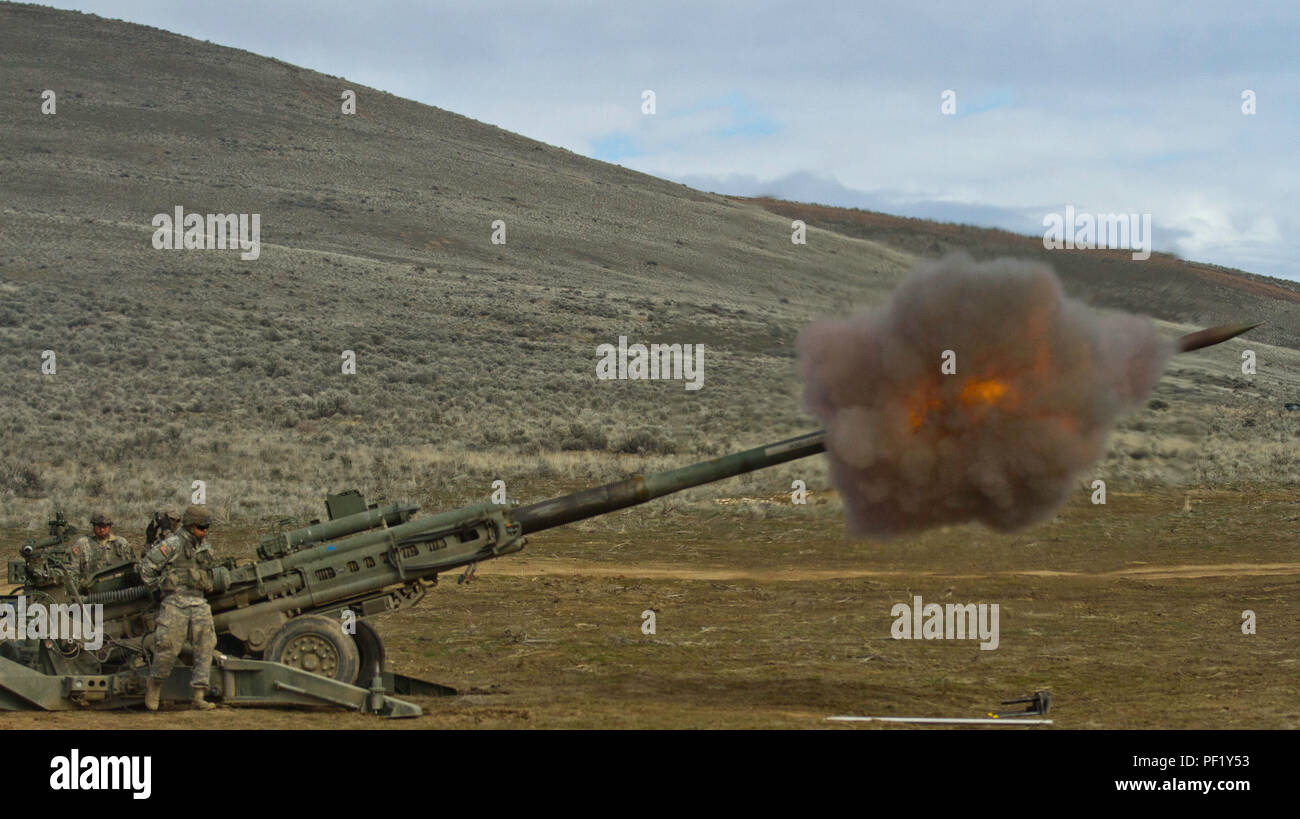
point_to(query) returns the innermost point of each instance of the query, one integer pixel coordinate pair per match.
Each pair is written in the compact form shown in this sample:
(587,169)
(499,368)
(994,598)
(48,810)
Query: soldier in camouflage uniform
(94,552)
(180,568)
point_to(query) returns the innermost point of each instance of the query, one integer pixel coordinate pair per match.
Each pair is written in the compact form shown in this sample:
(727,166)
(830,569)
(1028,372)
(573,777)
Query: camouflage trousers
(184,619)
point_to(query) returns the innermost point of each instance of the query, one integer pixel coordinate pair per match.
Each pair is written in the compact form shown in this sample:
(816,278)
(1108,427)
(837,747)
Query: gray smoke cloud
(1040,380)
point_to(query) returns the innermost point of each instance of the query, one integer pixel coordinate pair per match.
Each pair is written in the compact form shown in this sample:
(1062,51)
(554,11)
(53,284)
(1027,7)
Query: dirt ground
(1132,618)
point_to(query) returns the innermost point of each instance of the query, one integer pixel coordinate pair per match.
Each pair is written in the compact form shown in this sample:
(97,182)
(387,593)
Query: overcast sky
(1105,106)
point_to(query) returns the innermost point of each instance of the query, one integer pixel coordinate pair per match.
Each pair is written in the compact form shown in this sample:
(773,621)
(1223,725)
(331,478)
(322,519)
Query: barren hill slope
(376,236)
(148,120)
(474,360)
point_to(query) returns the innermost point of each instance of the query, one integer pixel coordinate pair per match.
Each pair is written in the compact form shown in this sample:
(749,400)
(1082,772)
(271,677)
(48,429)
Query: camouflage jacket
(158,538)
(90,554)
(180,567)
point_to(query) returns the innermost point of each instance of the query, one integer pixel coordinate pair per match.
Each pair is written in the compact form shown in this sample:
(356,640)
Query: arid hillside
(474,359)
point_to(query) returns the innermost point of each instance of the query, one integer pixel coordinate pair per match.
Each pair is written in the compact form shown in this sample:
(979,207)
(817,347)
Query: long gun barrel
(1213,335)
(641,488)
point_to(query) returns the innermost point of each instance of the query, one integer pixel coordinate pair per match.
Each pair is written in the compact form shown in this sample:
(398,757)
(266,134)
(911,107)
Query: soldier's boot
(200,700)
(152,694)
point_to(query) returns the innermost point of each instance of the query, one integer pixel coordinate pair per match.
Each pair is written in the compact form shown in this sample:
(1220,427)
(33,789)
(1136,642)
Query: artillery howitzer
(280,619)
(292,624)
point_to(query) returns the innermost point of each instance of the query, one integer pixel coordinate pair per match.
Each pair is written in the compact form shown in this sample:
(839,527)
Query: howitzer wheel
(316,644)
(371,649)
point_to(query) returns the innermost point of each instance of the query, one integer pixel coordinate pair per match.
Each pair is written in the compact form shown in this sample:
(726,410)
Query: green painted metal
(639,489)
(237,682)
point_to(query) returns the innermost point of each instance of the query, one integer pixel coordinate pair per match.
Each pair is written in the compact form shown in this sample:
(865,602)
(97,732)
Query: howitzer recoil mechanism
(281,619)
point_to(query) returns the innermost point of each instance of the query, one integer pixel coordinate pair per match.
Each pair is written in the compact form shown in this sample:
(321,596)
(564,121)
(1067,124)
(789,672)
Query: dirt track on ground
(561,568)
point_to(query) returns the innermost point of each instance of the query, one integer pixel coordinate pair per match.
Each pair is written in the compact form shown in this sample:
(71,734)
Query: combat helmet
(197,515)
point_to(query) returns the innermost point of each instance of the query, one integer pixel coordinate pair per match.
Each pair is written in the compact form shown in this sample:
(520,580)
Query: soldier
(92,553)
(163,523)
(179,567)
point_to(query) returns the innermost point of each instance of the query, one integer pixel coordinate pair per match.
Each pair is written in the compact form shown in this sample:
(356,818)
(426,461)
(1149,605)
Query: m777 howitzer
(293,623)
(281,619)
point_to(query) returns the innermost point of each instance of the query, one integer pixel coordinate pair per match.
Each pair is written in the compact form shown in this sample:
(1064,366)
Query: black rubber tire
(316,644)
(371,649)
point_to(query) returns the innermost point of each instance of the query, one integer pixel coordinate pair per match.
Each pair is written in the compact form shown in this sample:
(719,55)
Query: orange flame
(983,391)
(975,392)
